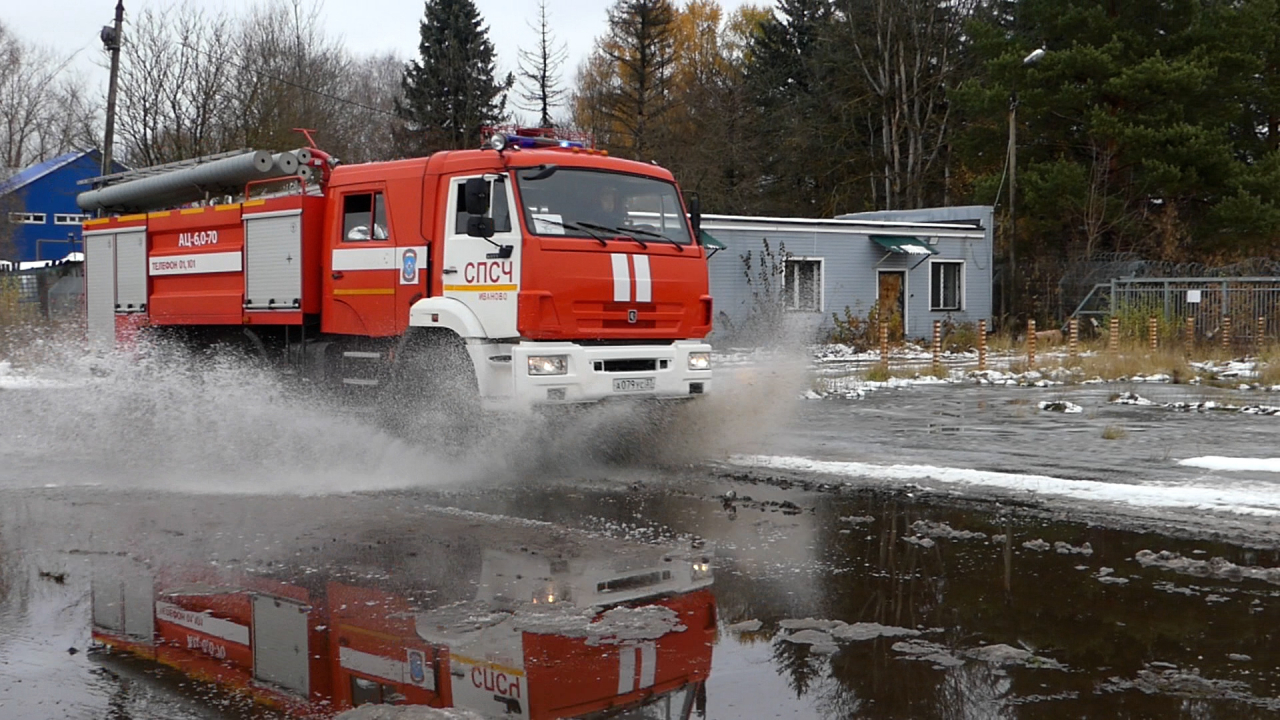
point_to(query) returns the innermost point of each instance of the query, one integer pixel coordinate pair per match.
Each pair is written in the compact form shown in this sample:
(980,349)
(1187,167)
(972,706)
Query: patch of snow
(858,519)
(1247,500)
(926,651)
(810,624)
(1038,545)
(1215,567)
(1238,657)
(944,531)
(922,542)
(619,625)
(809,637)
(1233,464)
(1067,549)
(858,632)
(745,626)
(824,649)
(1061,406)
(1002,654)
(1131,398)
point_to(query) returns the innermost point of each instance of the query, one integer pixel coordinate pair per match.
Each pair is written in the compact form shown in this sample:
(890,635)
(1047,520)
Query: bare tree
(539,71)
(907,53)
(43,109)
(173,103)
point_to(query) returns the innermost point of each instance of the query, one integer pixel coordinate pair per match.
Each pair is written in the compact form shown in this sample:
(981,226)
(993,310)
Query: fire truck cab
(533,271)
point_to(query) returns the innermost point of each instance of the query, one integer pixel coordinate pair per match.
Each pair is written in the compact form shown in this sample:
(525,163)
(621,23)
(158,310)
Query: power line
(290,83)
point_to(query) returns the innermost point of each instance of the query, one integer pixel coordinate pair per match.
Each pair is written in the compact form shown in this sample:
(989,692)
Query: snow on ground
(1246,499)
(1233,464)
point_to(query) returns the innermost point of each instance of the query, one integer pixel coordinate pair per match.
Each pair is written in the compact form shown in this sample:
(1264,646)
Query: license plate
(633,384)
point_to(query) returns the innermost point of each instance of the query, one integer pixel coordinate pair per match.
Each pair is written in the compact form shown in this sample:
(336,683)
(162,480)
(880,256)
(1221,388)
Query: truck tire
(432,391)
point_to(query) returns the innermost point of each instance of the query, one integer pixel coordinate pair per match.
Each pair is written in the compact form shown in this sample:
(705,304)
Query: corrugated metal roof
(35,172)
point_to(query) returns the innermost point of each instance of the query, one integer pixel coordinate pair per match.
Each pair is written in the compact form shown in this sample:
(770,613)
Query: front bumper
(596,373)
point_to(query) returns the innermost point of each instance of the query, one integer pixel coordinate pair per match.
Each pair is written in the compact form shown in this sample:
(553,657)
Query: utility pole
(112,37)
(1009,297)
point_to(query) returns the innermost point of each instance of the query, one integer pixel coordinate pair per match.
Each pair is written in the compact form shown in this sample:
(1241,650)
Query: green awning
(707,241)
(903,245)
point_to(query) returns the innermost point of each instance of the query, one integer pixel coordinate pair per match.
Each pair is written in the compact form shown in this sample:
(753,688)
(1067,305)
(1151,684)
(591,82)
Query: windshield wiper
(623,231)
(575,226)
(660,236)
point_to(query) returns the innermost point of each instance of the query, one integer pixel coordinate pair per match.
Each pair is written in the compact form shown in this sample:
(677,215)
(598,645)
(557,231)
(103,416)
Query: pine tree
(640,47)
(450,92)
(540,71)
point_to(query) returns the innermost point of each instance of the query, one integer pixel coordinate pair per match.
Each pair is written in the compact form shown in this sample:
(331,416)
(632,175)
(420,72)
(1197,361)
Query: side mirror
(695,215)
(479,225)
(477,196)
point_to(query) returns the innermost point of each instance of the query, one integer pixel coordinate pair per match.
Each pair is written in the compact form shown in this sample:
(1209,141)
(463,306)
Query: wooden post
(1262,332)
(1073,338)
(937,346)
(1113,335)
(1189,336)
(1226,332)
(884,343)
(1031,344)
(982,345)
(1153,333)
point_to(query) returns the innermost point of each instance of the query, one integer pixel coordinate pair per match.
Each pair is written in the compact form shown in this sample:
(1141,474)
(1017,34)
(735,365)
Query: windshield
(589,203)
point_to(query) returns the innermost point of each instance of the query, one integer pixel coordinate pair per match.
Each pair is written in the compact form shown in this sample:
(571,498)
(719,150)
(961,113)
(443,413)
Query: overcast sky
(71,26)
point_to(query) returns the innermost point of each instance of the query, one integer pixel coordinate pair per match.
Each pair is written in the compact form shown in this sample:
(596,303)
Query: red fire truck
(532,271)
(530,625)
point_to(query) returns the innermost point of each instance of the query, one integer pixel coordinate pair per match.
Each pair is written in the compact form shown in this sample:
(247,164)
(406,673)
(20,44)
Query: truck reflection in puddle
(529,623)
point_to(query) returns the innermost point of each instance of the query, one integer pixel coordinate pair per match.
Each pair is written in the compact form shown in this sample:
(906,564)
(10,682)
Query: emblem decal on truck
(408,266)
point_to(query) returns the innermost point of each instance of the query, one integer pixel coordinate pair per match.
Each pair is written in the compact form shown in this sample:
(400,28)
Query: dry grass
(1126,364)
(1114,432)
(877,373)
(1269,366)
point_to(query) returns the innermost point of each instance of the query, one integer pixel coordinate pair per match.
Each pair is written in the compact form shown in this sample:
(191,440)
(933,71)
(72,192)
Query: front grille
(618,366)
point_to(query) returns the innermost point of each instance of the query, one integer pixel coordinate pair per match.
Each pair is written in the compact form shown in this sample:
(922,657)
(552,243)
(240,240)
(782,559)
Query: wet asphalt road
(1096,634)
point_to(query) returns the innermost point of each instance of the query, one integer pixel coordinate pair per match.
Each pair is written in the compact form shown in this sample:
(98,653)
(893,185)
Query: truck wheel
(432,391)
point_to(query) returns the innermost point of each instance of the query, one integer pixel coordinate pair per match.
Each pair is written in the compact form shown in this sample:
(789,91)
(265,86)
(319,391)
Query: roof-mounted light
(498,141)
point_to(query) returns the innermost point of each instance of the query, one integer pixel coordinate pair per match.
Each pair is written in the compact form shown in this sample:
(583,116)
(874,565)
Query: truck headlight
(701,570)
(700,361)
(548,364)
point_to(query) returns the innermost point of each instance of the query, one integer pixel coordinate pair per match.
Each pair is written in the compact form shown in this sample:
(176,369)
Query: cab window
(364,218)
(498,208)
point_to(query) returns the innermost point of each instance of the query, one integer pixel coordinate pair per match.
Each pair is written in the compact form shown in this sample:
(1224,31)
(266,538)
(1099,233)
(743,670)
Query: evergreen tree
(640,47)
(450,91)
(540,71)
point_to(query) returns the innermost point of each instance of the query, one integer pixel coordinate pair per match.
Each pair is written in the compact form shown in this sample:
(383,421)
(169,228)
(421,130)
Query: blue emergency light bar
(501,141)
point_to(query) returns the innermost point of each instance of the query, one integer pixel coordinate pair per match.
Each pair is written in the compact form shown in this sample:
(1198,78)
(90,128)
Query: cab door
(484,274)
(360,277)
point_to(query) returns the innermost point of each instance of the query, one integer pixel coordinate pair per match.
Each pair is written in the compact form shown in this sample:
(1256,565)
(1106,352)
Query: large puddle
(858,604)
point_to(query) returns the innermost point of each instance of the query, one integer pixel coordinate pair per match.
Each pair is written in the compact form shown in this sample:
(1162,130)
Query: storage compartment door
(280,643)
(131,272)
(100,288)
(273,261)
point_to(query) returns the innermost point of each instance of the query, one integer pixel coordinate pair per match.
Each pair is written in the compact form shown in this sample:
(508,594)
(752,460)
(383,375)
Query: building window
(27,218)
(946,280)
(68,219)
(802,285)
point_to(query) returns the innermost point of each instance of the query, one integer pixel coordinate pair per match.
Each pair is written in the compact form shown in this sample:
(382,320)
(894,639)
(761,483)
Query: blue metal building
(41,205)
(921,265)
